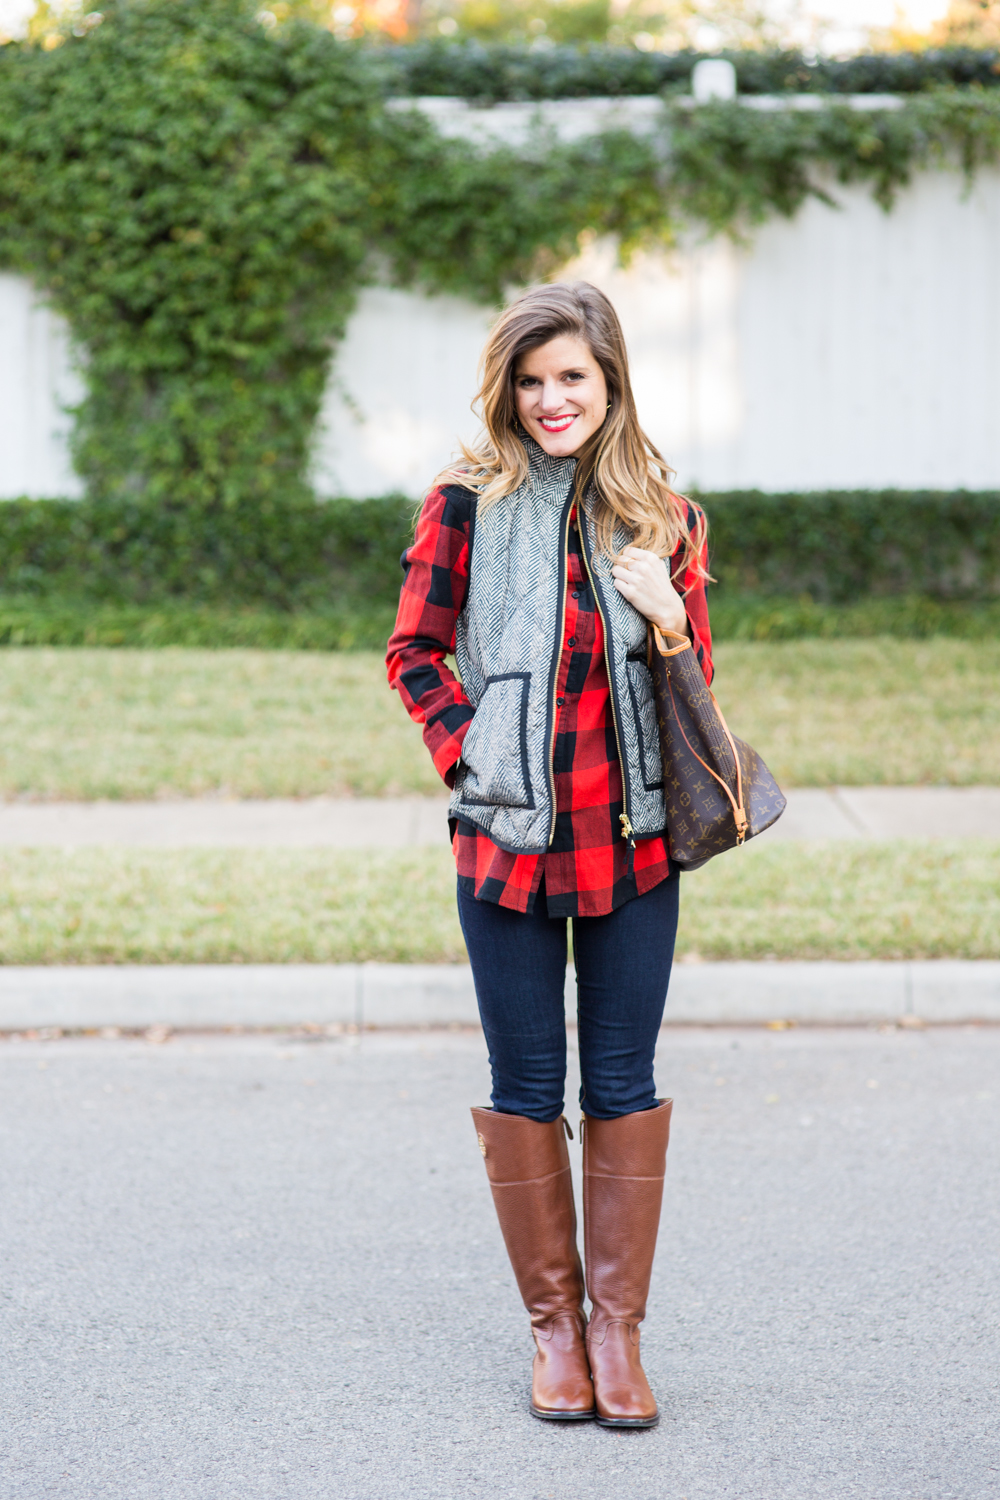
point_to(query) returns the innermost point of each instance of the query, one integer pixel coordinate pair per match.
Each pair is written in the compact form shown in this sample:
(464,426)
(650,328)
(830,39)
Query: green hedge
(840,545)
(291,553)
(763,617)
(491,72)
(353,624)
(327,574)
(358,624)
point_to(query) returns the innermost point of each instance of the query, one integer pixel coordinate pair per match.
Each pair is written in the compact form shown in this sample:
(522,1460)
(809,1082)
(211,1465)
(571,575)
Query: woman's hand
(644,580)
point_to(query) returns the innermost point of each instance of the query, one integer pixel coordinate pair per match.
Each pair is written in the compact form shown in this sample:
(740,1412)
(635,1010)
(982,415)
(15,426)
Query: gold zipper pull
(626,827)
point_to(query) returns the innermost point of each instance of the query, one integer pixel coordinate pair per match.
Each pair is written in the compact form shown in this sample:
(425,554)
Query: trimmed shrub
(357,624)
(327,574)
(494,72)
(283,553)
(841,545)
(761,617)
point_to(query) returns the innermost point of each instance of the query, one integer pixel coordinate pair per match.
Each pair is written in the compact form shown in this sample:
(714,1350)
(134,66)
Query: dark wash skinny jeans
(623,966)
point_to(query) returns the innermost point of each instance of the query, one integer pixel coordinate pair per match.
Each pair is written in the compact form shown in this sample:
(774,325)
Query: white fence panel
(398,397)
(846,348)
(870,344)
(38,381)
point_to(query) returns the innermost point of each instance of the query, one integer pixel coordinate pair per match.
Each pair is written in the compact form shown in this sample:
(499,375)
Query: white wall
(845,348)
(37,383)
(869,344)
(399,392)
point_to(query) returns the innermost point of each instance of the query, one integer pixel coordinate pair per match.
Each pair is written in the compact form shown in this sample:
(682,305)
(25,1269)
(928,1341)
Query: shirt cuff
(446,756)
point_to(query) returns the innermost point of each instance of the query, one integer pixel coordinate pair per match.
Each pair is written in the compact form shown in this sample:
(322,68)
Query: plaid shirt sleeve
(436,569)
(691,584)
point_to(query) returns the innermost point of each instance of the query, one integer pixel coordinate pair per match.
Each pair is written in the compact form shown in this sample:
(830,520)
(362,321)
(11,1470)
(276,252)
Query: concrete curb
(403,995)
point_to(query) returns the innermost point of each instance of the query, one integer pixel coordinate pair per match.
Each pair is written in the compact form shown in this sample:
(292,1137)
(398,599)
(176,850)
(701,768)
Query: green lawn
(116,905)
(177,722)
(866,712)
(845,901)
(838,901)
(136,723)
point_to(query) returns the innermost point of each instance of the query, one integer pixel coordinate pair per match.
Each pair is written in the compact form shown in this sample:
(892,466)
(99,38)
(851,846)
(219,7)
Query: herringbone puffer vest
(508,645)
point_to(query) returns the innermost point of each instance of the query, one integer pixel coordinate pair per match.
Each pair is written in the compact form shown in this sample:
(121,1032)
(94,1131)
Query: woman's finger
(637,562)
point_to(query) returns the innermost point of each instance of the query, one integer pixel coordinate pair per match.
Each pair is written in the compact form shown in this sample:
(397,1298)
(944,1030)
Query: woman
(538,561)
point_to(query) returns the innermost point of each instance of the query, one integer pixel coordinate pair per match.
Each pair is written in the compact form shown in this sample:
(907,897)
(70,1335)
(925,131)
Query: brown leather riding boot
(623,1166)
(528,1167)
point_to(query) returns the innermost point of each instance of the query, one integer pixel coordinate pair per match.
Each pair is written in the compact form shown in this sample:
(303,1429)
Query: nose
(551,397)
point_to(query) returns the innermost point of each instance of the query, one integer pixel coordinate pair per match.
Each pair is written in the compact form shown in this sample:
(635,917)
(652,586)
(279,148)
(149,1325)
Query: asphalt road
(268,1269)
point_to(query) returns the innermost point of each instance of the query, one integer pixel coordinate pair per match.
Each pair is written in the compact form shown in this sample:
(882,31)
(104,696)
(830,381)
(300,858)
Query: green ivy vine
(203,199)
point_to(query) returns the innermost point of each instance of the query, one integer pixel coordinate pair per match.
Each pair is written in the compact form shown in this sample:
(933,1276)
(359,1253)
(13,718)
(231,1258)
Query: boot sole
(563,1416)
(627,1421)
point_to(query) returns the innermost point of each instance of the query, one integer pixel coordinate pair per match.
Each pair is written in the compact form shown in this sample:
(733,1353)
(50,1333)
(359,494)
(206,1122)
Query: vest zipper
(627,833)
(557,657)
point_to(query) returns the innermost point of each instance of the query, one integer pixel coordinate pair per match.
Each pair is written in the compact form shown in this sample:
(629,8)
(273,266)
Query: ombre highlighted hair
(630,477)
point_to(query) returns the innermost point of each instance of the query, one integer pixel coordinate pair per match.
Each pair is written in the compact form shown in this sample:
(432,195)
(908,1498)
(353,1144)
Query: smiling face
(561,395)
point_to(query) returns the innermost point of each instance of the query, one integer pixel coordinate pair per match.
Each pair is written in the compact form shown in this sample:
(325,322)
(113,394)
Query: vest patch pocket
(640,686)
(494,769)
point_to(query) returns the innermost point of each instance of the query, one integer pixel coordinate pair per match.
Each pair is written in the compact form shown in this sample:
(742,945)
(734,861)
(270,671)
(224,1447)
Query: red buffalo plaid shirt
(586,869)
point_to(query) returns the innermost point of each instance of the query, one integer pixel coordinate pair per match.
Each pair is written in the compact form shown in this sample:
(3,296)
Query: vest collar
(550,478)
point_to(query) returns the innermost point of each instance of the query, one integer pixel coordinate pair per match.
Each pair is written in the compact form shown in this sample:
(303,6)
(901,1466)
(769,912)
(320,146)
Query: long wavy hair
(627,476)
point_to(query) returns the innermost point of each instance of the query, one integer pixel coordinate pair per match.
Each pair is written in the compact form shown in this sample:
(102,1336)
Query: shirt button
(571,641)
(560,702)
(576,593)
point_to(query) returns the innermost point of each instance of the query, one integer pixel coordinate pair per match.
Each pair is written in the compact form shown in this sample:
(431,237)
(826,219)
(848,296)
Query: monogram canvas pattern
(700,817)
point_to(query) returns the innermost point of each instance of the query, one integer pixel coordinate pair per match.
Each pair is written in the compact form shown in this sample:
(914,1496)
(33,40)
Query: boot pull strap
(569,1130)
(581,1129)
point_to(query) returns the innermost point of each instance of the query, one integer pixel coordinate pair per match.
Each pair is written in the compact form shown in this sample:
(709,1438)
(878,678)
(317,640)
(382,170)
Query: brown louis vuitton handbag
(719,792)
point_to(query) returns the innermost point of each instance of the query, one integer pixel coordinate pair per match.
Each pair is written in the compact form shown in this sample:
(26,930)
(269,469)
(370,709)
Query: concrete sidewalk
(367,822)
(215,823)
(401,995)
(257,1268)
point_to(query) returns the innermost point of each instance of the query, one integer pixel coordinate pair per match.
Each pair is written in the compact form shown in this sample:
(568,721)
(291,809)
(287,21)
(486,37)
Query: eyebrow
(570,370)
